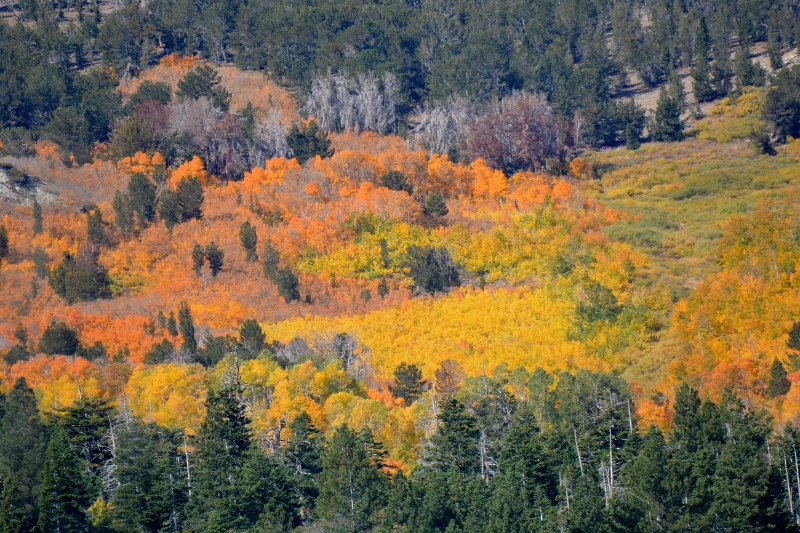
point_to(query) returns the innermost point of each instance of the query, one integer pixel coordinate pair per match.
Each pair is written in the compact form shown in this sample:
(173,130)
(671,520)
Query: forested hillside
(399,266)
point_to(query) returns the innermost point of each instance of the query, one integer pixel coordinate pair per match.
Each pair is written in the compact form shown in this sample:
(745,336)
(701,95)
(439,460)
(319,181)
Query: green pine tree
(169,210)
(14,510)
(270,258)
(215,258)
(64,497)
(774,50)
(288,285)
(189,192)
(586,512)
(142,194)
(455,444)
(249,239)
(123,211)
(779,384)
(22,444)
(408,382)
(667,124)
(37,217)
(152,477)
(701,80)
(3,244)
(308,141)
(302,455)
(352,487)
(220,453)
(40,262)
(793,342)
(86,424)
(267,500)
(251,336)
(187,328)
(748,73)
(95,230)
(198,258)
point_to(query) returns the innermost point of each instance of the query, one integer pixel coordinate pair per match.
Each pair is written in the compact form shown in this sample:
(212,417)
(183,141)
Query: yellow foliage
(170,395)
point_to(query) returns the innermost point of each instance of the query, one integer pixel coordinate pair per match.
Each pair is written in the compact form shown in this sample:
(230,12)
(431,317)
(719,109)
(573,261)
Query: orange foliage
(194,168)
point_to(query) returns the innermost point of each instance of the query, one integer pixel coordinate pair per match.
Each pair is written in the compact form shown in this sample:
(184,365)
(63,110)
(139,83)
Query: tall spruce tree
(3,244)
(267,500)
(455,444)
(249,239)
(667,124)
(186,324)
(302,455)
(215,258)
(152,479)
(64,498)
(142,195)
(37,217)
(779,384)
(221,445)
(352,486)
(22,444)
(407,382)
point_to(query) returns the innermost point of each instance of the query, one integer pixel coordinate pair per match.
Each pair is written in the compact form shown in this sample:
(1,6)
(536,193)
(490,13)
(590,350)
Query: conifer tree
(58,338)
(190,196)
(187,328)
(308,141)
(793,342)
(701,80)
(152,479)
(383,287)
(198,258)
(748,73)
(215,258)
(37,217)
(221,446)
(22,445)
(172,325)
(123,211)
(645,479)
(3,244)
(40,262)
(249,239)
(408,382)
(302,455)
(13,507)
(270,258)
(63,497)
(774,50)
(779,384)
(702,41)
(667,123)
(266,497)
(169,210)
(85,425)
(352,487)
(251,336)
(95,231)
(288,285)
(721,73)
(586,511)
(455,444)
(142,195)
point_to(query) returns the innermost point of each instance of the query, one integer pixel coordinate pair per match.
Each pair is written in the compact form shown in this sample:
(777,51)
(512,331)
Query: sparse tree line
(518,451)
